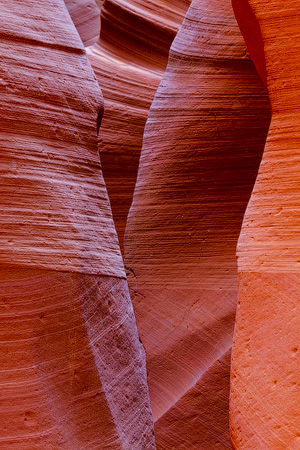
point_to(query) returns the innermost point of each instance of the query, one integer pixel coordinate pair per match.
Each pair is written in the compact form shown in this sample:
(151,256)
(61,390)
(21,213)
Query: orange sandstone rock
(201,149)
(265,390)
(72,370)
(129,60)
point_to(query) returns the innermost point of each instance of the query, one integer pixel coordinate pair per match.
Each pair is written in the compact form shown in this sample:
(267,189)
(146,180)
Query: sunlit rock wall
(265,376)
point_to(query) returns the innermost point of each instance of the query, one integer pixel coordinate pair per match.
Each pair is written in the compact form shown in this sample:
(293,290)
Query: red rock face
(251,31)
(199,419)
(201,149)
(129,61)
(72,369)
(265,378)
(86,17)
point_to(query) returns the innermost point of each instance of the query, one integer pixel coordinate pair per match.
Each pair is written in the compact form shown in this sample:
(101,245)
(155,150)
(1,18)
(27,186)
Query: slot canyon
(149,247)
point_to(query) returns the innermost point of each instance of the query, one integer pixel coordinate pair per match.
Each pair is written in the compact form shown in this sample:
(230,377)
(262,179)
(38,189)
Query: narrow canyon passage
(142,255)
(129,60)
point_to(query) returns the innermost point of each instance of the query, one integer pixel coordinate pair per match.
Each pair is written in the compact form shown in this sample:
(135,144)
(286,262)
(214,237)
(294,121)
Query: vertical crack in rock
(99,119)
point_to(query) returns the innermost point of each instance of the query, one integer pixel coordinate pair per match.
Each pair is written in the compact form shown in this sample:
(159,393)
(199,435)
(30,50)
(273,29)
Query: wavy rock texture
(86,18)
(265,380)
(71,367)
(202,146)
(129,60)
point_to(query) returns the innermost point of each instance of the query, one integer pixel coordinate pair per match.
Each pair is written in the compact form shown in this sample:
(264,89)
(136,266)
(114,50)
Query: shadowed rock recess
(196,195)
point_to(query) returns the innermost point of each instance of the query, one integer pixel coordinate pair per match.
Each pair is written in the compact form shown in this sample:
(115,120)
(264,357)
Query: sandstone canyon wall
(72,370)
(266,358)
(72,366)
(129,60)
(86,18)
(202,146)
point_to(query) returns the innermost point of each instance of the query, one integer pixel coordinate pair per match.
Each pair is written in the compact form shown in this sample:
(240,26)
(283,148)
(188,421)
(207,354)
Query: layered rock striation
(86,18)
(72,369)
(202,146)
(265,377)
(129,60)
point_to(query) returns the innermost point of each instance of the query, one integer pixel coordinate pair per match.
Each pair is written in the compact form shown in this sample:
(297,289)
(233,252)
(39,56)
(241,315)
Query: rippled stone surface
(202,146)
(72,369)
(129,60)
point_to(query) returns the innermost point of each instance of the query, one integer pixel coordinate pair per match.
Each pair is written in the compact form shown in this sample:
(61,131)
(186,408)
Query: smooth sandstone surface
(72,369)
(265,390)
(129,60)
(202,146)
(86,17)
